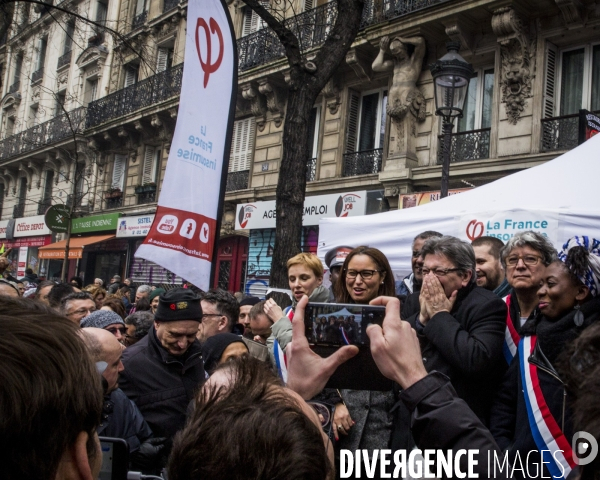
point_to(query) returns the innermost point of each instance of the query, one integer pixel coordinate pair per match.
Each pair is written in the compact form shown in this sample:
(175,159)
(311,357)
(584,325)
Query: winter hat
(249,301)
(101,319)
(156,293)
(213,348)
(336,256)
(178,304)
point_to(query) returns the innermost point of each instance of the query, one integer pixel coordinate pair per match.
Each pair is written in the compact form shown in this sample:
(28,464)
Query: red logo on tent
(474,229)
(207,66)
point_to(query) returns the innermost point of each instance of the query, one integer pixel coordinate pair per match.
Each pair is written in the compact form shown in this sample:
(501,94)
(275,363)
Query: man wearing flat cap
(165,368)
(334,259)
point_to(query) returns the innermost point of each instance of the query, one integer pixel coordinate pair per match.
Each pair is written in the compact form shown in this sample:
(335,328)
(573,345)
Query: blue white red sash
(279,353)
(551,442)
(344,335)
(511,336)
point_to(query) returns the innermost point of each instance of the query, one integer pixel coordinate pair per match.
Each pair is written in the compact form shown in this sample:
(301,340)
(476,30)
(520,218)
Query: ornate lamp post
(451,75)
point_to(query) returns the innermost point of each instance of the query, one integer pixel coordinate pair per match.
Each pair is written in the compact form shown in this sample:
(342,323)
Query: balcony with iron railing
(113,202)
(466,146)
(45,134)
(37,75)
(362,163)
(313,26)
(139,20)
(19,210)
(44,205)
(560,133)
(311,170)
(148,92)
(237,180)
(169,5)
(64,59)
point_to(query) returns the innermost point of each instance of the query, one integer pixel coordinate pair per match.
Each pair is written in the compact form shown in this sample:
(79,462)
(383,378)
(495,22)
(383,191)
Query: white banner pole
(185,231)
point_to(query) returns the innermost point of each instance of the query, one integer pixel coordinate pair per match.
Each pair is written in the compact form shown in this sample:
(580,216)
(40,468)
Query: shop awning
(56,250)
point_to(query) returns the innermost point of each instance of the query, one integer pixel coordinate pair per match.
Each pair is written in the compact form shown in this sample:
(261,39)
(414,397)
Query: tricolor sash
(511,336)
(279,353)
(554,448)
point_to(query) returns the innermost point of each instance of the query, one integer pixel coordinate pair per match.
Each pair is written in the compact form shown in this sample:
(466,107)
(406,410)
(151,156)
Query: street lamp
(451,75)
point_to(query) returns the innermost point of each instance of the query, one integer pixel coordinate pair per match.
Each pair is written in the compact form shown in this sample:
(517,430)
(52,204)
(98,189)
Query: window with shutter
(140,7)
(352,127)
(131,75)
(41,59)
(162,57)
(242,145)
(252,21)
(18,68)
(118,175)
(48,186)
(149,167)
(101,13)
(308,5)
(313,132)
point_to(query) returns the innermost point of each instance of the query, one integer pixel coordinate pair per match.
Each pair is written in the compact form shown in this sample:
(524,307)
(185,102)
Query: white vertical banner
(183,234)
(22,263)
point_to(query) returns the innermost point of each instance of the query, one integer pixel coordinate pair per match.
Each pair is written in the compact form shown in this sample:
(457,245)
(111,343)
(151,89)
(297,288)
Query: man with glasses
(460,327)
(106,320)
(525,258)
(220,312)
(76,306)
(164,369)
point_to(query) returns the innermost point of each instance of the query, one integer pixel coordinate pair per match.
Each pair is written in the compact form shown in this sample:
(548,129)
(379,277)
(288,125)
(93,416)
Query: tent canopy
(558,199)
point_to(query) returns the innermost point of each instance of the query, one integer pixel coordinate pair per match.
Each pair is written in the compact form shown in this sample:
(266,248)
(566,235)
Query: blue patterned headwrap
(591,278)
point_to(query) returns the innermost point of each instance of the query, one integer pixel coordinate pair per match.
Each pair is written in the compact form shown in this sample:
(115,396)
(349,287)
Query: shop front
(132,231)
(26,235)
(259,218)
(94,252)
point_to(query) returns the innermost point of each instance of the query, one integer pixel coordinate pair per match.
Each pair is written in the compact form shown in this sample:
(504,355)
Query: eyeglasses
(439,272)
(211,315)
(529,260)
(365,274)
(114,330)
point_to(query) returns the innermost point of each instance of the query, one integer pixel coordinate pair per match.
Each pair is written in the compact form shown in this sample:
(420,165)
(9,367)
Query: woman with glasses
(524,258)
(532,412)
(366,275)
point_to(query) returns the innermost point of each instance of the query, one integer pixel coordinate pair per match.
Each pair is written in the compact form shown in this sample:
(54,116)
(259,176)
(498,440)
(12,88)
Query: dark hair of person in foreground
(251,429)
(50,393)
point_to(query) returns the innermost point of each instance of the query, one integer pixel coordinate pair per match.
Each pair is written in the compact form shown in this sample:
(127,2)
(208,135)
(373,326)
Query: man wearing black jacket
(164,369)
(460,327)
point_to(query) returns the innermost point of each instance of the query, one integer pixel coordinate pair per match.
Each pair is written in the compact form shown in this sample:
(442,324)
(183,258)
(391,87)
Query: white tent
(559,199)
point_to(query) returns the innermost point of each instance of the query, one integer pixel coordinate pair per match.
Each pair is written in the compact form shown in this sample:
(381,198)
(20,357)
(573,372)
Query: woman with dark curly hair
(531,417)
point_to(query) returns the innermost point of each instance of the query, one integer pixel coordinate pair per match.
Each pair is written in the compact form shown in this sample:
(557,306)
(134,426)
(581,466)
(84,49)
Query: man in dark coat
(460,327)
(165,368)
(30,277)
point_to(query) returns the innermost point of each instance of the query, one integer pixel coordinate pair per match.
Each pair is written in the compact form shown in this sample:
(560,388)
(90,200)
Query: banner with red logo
(185,228)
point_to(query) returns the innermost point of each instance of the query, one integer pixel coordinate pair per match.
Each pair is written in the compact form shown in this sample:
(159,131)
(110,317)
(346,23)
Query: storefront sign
(134,226)
(504,225)
(31,226)
(98,223)
(22,262)
(589,125)
(57,218)
(39,241)
(262,214)
(415,199)
(3,225)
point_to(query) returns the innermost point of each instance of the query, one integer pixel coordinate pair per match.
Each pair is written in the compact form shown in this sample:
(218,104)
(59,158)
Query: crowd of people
(489,346)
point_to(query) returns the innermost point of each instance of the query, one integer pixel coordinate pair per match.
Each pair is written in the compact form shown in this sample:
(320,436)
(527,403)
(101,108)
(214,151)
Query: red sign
(38,241)
(190,233)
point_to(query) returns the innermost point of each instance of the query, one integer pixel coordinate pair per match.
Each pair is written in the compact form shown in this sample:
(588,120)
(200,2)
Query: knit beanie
(213,348)
(101,319)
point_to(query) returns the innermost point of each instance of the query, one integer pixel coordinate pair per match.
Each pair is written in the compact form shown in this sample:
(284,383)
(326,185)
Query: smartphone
(115,459)
(337,324)
(328,326)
